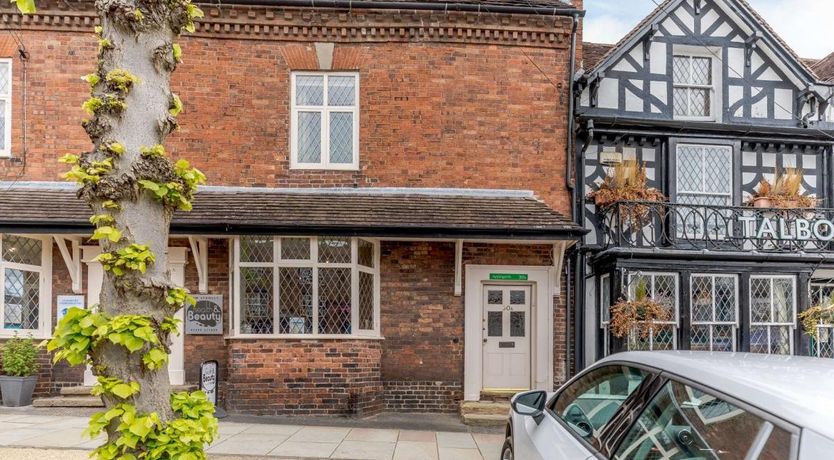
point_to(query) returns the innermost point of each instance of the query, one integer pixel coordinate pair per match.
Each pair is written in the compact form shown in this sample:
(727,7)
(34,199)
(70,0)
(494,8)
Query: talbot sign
(787,229)
(205,316)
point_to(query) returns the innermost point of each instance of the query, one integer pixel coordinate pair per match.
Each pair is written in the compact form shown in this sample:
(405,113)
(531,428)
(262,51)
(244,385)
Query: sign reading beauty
(786,229)
(205,316)
(208,380)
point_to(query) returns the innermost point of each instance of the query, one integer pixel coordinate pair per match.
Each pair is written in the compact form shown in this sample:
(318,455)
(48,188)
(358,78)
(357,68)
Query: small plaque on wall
(205,317)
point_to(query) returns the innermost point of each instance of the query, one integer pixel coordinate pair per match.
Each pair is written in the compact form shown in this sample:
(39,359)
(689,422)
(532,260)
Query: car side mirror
(530,404)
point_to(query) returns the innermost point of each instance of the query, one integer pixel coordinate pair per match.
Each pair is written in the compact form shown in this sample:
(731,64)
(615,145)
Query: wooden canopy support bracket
(458,267)
(199,248)
(647,41)
(72,259)
(559,249)
(749,45)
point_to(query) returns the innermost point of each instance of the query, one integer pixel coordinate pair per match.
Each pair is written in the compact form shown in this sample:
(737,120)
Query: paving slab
(456,440)
(415,450)
(366,450)
(371,434)
(305,449)
(320,434)
(453,453)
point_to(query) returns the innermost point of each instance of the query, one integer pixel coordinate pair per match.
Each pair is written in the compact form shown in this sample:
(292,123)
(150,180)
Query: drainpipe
(579,255)
(413,6)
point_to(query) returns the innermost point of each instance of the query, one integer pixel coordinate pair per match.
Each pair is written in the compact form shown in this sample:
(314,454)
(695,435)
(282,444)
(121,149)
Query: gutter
(412,5)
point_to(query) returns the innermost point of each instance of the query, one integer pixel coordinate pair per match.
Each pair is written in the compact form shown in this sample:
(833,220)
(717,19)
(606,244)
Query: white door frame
(541,325)
(177,259)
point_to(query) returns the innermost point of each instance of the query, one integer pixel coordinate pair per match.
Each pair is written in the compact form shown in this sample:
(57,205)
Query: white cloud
(806,25)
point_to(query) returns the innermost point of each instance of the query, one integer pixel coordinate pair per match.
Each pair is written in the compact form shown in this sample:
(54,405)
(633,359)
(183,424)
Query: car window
(590,402)
(682,422)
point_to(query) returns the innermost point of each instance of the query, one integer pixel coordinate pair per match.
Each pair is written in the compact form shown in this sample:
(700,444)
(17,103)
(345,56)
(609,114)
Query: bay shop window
(306,286)
(26,279)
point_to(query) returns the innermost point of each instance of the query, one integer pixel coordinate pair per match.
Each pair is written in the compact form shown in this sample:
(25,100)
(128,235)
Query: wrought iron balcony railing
(645,224)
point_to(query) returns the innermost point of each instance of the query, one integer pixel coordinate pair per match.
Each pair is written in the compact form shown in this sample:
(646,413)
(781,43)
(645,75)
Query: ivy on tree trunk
(133,189)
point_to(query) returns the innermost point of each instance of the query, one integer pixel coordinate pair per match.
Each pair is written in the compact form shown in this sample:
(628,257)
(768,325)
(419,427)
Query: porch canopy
(51,207)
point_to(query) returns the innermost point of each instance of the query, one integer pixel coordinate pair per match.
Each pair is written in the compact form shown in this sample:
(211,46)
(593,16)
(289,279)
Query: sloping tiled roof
(489,214)
(824,68)
(560,4)
(662,6)
(592,53)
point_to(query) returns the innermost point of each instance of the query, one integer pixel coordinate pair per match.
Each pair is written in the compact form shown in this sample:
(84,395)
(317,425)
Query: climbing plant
(133,189)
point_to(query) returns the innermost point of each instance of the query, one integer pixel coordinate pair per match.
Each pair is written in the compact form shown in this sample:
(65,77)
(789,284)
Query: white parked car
(681,405)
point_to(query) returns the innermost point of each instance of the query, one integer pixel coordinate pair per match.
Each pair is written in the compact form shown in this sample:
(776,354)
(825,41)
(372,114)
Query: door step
(484,413)
(69,401)
(85,390)
(498,395)
(484,420)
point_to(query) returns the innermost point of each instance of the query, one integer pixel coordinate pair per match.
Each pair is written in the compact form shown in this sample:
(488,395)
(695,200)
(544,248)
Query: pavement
(27,433)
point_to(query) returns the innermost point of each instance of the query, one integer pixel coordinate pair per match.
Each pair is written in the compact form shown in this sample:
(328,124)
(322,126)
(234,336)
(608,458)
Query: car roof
(797,389)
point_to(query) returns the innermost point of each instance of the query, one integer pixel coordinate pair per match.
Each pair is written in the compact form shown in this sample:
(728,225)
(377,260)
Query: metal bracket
(72,259)
(458,268)
(199,248)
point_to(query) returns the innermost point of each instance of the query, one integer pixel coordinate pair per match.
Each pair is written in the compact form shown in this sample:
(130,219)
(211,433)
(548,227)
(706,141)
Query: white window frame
(791,324)
(6,151)
(703,148)
(325,111)
(44,271)
(605,292)
(674,322)
(313,262)
(714,89)
(713,322)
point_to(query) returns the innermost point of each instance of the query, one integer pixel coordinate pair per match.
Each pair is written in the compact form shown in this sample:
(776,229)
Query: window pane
(780,340)
(341,90)
(760,300)
(309,137)
(495,323)
(3,122)
(589,403)
(702,71)
(341,137)
(681,101)
(517,324)
(22,297)
(680,69)
(256,248)
(699,102)
(725,299)
(783,300)
(295,248)
(718,167)
(309,90)
(701,298)
(518,297)
(21,250)
(256,304)
(683,423)
(296,300)
(334,250)
(690,168)
(495,297)
(334,301)
(366,301)
(605,298)
(366,253)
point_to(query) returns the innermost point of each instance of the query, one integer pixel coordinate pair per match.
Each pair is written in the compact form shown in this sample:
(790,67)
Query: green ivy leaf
(122,390)
(25,6)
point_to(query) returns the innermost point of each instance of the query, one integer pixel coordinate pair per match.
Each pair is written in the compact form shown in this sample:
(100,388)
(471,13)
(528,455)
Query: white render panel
(636,53)
(735,94)
(769,160)
(809,162)
(633,102)
(658,90)
(623,65)
(648,155)
(629,153)
(608,93)
(758,109)
(770,75)
(735,62)
(709,19)
(756,62)
(657,58)
(723,30)
(788,160)
(672,27)
(783,104)
(685,18)
(585,98)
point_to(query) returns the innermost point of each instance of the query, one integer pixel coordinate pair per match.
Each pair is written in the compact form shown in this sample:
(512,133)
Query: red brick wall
(432,114)
(304,377)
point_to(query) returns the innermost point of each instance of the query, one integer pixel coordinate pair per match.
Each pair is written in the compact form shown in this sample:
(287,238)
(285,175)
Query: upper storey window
(5,107)
(325,121)
(694,87)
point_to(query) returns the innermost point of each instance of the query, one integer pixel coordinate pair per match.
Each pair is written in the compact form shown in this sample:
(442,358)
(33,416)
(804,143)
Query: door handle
(485,340)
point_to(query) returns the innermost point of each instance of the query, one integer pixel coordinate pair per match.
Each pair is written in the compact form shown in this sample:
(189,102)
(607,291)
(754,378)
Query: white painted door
(506,337)
(176,266)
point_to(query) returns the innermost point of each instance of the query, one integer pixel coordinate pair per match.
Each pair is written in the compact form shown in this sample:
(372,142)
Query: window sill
(302,337)
(324,168)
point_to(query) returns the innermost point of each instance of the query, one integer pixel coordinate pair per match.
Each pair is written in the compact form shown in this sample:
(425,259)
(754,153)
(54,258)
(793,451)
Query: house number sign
(783,229)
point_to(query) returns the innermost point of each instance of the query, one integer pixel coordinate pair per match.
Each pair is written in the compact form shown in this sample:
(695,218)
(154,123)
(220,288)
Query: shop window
(605,312)
(822,293)
(714,312)
(323,286)
(663,288)
(693,87)
(25,275)
(325,120)
(772,314)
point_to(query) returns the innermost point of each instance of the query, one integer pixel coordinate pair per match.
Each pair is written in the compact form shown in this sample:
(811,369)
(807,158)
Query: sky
(806,25)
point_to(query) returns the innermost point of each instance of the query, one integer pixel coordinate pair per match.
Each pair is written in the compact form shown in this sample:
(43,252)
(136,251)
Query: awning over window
(380,212)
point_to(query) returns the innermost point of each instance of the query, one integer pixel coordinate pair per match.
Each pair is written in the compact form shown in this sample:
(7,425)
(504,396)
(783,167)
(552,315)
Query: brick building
(387,217)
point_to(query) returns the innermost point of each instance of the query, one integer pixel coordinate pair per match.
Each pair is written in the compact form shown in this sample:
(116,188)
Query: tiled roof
(490,214)
(592,53)
(824,68)
(525,3)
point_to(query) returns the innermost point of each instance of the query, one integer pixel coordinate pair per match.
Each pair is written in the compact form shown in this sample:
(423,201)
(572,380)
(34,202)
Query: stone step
(485,407)
(85,390)
(69,401)
(484,419)
(498,395)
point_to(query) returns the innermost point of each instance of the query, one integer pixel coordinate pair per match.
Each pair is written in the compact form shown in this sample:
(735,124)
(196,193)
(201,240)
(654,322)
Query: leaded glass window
(325,113)
(713,312)
(662,288)
(306,286)
(772,314)
(22,275)
(704,175)
(5,107)
(693,87)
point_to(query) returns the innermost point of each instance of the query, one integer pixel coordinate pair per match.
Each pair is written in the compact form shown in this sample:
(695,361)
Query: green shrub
(20,357)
